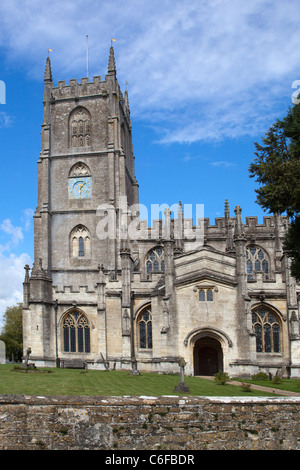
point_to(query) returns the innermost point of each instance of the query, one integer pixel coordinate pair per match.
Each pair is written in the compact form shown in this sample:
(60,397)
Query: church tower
(86,163)
(86,182)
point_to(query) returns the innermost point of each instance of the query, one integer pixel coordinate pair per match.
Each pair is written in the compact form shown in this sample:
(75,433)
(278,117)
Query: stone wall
(149,423)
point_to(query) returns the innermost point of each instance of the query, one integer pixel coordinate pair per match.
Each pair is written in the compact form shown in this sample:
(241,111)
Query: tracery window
(256,261)
(80,128)
(155,260)
(76,333)
(144,323)
(80,242)
(267,328)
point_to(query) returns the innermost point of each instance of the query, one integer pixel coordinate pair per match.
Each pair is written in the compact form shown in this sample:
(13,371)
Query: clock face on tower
(80,188)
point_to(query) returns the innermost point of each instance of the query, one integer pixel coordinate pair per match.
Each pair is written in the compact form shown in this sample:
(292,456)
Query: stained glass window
(149,266)
(261,255)
(76,333)
(265,266)
(257,330)
(266,326)
(249,267)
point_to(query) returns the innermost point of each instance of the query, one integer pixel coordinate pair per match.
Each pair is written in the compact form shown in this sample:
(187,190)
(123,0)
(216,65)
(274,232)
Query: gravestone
(26,364)
(28,352)
(2,352)
(181,386)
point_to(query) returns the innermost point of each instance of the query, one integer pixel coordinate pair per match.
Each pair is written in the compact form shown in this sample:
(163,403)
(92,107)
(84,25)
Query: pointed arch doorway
(208,356)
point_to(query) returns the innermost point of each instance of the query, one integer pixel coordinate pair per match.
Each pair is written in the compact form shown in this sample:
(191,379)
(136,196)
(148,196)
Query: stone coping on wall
(142,399)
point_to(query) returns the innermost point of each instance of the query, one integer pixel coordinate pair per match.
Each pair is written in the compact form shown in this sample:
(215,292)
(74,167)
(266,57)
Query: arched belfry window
(80,128)
(266,325)
(80,241)
(76,332)
(257,261)
(80,184)
(144,328)
(155,260)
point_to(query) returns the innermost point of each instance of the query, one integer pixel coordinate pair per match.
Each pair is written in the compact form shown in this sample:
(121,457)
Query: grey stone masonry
(149,423)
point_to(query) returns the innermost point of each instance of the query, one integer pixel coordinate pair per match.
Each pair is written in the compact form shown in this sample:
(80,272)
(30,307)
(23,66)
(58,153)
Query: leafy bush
(276,380)
(246,387)
(221,378)
(260,376)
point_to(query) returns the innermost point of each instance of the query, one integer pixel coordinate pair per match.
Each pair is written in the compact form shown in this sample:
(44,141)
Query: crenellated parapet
(74,90)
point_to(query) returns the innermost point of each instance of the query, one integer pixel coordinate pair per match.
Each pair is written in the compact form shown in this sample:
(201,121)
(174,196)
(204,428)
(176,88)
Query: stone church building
(108,290)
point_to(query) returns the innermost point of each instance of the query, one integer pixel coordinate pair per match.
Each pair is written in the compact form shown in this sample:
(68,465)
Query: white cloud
(16,233)
(223,163)
(27,218)
(188,158)
(12,264)
(11,280)
(5,119)
(188,62)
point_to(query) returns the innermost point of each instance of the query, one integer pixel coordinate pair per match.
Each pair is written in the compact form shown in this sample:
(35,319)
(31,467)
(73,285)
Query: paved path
(277,391)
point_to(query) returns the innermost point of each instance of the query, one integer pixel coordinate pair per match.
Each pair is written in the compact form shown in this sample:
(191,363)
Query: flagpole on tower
(87,56)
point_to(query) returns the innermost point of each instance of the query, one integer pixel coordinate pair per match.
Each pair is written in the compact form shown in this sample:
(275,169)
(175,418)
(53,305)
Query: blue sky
(206,79)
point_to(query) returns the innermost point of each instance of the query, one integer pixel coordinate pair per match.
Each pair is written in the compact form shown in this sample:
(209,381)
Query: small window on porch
(206,295)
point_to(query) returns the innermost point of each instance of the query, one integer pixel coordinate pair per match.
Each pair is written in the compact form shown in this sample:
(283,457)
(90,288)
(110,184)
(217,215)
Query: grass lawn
(291,385)
(115,383)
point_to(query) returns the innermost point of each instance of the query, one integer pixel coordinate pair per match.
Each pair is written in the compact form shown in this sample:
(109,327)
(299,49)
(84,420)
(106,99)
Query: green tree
(277,170)
(292,246)
(12,332)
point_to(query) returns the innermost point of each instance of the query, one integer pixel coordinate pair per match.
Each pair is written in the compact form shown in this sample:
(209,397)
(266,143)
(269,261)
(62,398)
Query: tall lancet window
(144,328)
